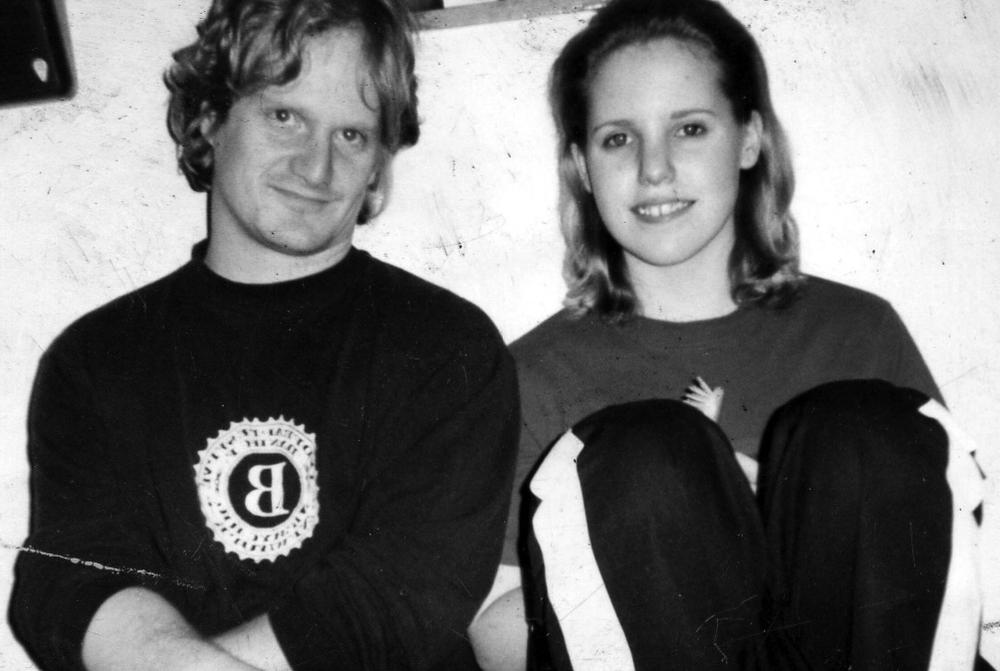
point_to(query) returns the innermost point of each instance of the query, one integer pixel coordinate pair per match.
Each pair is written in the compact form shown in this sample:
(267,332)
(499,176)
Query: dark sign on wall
(34,63)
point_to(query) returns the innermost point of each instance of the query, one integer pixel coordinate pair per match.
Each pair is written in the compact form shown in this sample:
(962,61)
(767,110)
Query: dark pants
(840,561)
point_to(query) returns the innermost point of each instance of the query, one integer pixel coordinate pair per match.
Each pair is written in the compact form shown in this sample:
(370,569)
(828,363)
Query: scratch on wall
(926,88)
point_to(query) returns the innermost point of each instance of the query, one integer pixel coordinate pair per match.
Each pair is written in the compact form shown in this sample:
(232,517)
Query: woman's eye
(691,130)
(615,140)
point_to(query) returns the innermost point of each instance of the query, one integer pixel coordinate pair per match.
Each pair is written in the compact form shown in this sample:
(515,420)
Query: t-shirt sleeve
(540,425)
(907,367)
(400,590)
(84,543)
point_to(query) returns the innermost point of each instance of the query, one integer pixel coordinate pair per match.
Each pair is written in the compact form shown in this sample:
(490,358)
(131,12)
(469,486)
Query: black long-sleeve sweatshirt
(335,452)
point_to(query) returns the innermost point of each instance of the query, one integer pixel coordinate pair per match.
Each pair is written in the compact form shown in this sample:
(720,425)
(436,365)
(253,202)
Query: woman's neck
(682,293)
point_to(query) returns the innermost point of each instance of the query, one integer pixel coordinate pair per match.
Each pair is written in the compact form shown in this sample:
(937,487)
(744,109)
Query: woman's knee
(644,451)
(659,473)
(869,428)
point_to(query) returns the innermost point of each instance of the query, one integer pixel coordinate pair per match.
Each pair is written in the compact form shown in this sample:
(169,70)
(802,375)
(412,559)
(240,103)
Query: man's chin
(300,249)
(306,246)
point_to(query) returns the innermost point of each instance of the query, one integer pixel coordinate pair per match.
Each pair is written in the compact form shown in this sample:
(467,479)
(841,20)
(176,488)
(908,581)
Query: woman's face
(663,155)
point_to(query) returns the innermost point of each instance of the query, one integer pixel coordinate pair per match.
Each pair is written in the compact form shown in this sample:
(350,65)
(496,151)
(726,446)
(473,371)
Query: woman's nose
(655,163)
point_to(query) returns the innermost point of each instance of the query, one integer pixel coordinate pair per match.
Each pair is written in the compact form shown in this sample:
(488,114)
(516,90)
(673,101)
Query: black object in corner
(33,55)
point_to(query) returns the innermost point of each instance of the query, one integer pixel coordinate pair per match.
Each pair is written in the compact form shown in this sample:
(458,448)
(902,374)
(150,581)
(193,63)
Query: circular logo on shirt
(257,484)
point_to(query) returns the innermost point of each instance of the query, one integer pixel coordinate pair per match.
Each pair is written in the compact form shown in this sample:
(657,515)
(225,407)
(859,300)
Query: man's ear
(375,179)
(381,176)
(580,161)
(208,126)
(378,188)
(753,133)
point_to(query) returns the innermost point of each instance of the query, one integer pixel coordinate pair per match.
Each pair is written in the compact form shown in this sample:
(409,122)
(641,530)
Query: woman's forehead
(667,72)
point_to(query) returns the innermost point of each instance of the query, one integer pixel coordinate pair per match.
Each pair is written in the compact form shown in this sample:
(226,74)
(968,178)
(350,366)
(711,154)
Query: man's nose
(313,161)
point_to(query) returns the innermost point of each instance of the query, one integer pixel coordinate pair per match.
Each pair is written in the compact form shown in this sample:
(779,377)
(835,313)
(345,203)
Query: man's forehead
(336,68)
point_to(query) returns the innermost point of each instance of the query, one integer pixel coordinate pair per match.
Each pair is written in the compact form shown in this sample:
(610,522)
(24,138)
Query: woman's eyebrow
(679,114)
(694,110)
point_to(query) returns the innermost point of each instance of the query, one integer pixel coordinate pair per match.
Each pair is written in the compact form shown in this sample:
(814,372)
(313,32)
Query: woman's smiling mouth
(662,209)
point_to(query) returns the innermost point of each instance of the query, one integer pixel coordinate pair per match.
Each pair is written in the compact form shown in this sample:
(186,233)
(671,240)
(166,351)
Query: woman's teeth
(662,209)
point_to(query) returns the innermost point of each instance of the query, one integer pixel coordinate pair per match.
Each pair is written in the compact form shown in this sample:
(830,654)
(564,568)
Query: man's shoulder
(419,309)
(122,319)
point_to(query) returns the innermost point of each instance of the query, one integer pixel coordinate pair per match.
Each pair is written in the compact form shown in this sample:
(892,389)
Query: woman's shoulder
(823,297)
(563,332)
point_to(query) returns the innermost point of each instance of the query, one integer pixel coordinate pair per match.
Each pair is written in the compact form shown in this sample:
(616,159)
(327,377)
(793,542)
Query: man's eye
(616,140)
(353,136)
(282,116)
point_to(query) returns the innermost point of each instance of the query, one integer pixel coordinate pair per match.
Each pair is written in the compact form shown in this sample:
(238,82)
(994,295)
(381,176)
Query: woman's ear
(753,133)
(580,161)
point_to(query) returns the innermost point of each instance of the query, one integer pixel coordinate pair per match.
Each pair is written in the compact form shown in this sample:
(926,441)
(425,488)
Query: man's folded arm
(85,543)
(136,628)
(404,585)
(89,590)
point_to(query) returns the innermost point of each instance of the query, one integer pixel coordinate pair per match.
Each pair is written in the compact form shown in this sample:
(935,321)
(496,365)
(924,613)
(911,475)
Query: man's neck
(257,265)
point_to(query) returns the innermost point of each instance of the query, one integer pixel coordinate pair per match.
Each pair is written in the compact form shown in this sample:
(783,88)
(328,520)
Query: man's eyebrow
(265,96)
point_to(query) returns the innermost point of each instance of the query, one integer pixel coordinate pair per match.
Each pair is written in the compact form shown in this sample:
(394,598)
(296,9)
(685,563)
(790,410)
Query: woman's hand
(699,395)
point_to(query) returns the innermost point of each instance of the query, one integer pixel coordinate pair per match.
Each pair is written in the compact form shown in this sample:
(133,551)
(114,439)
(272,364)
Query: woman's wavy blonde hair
(763,267)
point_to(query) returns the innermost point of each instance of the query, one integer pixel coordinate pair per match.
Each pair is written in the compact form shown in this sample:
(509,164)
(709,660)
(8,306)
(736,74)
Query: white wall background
(891,107)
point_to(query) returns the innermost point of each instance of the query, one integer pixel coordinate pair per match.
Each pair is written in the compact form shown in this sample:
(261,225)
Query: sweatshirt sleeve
(401,589)
(84,543)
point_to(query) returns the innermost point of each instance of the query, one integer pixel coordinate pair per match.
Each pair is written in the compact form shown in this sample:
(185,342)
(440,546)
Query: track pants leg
(841,564)
(858,518)
(676,535)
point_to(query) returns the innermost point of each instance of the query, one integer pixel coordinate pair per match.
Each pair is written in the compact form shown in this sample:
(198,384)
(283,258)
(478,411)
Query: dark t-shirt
(571,367)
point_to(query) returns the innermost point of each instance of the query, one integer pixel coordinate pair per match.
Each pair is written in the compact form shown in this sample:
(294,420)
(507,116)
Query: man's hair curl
(244,46)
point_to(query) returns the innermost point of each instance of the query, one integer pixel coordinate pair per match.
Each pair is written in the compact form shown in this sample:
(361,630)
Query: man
(285,454)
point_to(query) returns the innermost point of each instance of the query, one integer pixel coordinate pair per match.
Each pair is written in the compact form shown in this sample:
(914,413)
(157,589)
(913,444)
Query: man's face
(293,164)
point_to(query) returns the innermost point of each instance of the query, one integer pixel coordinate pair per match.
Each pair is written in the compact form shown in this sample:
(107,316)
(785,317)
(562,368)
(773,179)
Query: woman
(640,538)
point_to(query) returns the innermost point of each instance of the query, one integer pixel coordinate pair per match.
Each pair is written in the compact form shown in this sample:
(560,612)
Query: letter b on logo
(264,489)
(274,489)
